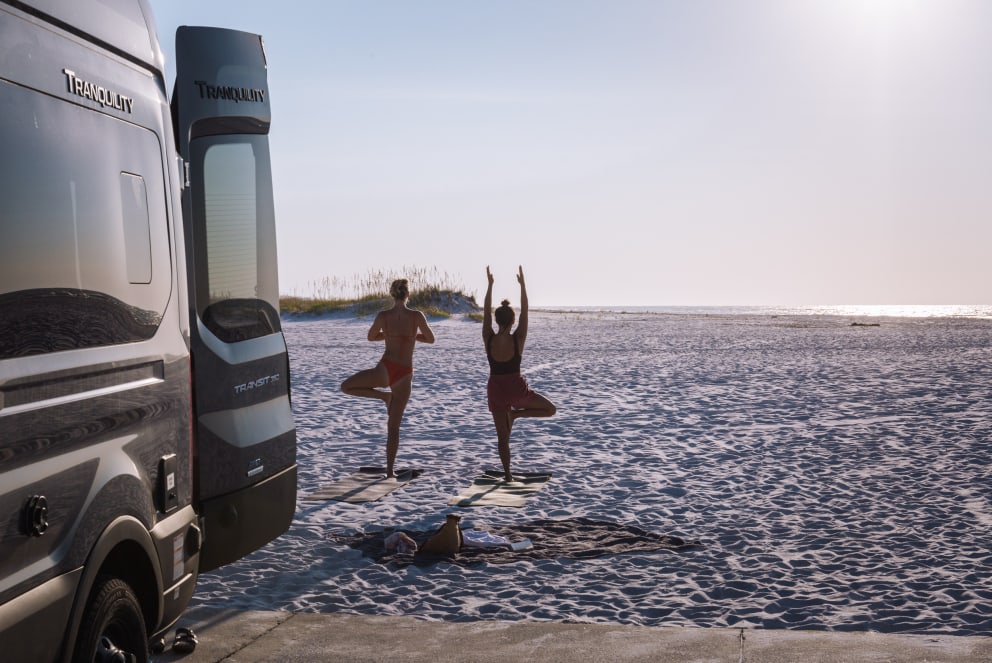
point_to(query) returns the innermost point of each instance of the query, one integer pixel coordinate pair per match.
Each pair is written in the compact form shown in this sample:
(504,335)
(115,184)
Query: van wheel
(113,628)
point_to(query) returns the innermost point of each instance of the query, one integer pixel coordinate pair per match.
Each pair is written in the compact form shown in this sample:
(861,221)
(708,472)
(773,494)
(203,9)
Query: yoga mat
(366,485)
(491,490)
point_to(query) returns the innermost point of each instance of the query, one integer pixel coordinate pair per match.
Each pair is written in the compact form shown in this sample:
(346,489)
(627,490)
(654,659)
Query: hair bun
(400,289)
(505,302)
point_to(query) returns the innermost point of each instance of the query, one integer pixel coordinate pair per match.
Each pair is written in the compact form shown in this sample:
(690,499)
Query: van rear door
(244,438)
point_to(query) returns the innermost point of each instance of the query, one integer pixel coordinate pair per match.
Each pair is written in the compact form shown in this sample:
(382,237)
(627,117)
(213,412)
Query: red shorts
(508,391)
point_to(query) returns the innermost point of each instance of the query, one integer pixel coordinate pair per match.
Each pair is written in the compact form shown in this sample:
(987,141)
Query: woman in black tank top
(509,395)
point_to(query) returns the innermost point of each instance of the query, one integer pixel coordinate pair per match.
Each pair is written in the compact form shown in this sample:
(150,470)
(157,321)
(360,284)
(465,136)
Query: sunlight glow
(886,10)
(887,17)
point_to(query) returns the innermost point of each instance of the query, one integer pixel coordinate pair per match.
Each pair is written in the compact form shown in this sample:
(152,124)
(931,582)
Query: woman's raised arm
(487,308)
(522,324)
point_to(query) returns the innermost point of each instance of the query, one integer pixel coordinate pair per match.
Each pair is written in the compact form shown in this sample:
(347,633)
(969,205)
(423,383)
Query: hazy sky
(632,152)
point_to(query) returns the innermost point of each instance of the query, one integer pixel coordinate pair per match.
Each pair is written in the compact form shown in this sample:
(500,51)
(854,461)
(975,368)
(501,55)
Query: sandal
(185,641)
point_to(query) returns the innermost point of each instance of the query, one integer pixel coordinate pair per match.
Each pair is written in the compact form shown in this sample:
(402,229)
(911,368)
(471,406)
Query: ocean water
(867,310)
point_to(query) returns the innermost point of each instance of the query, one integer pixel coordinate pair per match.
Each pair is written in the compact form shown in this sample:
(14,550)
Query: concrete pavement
(234,636)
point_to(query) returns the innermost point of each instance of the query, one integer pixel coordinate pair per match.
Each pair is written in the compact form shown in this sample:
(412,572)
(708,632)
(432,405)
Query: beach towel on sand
(366,485)
(491,490)
(570,538)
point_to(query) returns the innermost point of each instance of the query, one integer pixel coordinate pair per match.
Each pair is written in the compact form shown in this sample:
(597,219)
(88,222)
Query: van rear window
(234,235)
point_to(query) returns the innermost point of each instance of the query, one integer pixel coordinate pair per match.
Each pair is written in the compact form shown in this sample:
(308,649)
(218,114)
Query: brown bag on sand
(447,540)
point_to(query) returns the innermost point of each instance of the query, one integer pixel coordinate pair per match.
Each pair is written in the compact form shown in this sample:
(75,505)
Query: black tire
(113,615)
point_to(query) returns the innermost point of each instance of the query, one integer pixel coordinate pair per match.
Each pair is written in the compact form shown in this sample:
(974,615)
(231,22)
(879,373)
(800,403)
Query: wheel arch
(124,550)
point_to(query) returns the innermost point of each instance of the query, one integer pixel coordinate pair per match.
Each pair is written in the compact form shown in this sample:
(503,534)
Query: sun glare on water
(910,310)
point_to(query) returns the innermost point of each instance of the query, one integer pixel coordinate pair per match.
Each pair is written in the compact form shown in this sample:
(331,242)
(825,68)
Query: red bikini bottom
(396,371)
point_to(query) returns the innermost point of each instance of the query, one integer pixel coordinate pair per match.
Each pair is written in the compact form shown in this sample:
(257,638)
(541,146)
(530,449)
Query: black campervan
(146,433)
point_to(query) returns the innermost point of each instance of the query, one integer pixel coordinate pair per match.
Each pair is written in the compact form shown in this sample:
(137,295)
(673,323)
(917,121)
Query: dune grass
(435,293)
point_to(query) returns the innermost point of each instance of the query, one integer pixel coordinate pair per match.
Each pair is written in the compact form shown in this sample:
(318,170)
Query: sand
(837,477)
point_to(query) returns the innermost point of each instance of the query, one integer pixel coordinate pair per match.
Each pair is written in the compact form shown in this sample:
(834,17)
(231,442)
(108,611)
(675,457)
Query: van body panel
(90,459)
(123,25)
(36,611)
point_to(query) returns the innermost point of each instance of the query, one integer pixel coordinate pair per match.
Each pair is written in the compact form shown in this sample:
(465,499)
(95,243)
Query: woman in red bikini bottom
(400,327)
(510,397)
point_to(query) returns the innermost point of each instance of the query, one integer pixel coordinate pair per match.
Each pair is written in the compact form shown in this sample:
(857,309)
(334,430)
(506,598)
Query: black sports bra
(508,367)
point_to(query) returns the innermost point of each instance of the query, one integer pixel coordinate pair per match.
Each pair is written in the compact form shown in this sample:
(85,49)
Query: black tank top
(508,367)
